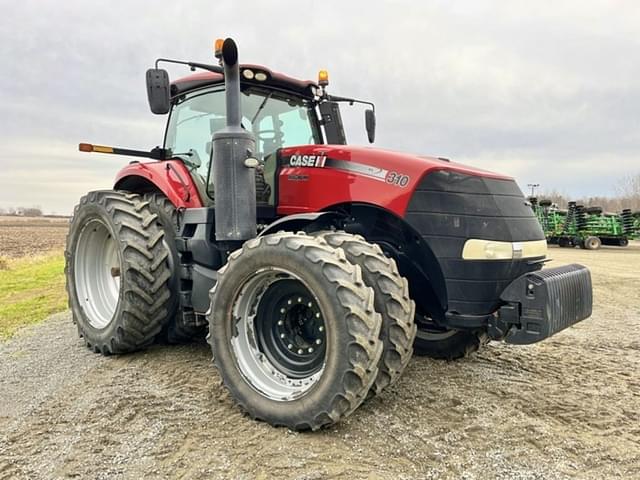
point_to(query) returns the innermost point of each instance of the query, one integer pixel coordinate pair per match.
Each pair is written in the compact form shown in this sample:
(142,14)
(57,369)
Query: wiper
(261,107)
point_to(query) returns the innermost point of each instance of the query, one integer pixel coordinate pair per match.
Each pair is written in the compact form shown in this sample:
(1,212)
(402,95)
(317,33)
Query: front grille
(447,208)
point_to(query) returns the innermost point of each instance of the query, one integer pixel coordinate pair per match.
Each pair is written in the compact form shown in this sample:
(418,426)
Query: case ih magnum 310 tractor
(316,268)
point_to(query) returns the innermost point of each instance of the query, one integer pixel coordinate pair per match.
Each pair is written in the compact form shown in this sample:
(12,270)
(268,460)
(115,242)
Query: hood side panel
(354,174)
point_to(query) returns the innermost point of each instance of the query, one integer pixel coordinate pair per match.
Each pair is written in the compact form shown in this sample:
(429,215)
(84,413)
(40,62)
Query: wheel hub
(290,328)
(279,338)
(97,273)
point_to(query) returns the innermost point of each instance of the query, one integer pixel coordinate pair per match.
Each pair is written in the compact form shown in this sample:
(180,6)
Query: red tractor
(317,268)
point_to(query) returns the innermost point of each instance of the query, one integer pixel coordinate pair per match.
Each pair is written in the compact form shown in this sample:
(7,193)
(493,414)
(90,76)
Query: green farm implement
(586,227)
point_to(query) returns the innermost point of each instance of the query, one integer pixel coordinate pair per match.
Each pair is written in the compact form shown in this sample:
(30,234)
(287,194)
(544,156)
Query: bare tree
(629,189)
(31,211)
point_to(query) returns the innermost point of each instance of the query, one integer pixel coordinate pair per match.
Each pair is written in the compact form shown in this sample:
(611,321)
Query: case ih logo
(307,160)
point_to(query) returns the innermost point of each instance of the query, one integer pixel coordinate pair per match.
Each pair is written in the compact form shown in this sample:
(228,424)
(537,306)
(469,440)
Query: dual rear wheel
(305,327)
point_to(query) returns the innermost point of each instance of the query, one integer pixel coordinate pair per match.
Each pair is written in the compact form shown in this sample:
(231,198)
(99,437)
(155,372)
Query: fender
(171,177)
(303,221)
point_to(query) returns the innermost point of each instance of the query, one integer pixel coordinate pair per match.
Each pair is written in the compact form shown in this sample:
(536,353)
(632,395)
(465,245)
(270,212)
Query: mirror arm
(192,65)
(336,98)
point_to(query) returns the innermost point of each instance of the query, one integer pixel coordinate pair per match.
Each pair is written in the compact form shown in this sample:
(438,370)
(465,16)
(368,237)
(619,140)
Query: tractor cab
(275,115)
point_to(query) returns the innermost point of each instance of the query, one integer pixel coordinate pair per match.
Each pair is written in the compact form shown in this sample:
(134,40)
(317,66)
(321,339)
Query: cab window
(275,119)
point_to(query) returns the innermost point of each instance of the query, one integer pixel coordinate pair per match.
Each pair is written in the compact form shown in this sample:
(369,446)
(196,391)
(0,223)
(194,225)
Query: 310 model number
(395,178)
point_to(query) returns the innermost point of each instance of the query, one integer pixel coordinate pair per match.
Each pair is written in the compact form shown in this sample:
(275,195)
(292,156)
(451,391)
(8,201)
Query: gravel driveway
(566,408)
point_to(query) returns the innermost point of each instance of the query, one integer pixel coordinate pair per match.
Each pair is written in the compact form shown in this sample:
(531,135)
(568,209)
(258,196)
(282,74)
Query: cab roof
(304,88)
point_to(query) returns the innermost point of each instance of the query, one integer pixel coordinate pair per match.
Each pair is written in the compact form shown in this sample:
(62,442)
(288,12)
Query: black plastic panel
(549,301)
(447,209)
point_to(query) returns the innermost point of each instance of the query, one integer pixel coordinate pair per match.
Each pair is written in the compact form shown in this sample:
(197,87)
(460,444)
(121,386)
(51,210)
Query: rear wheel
(295,332)
(176,330)
(391,294)
(117,272)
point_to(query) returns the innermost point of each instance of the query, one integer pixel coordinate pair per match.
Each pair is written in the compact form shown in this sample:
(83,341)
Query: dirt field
(26,236)
(565,408)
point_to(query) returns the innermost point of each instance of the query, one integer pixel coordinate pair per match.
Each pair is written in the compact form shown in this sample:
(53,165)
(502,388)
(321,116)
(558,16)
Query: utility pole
(533,188)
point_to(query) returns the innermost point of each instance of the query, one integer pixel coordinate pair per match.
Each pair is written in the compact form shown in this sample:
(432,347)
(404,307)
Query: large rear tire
(117,272)
(392,302)
(294,332)
(175,331)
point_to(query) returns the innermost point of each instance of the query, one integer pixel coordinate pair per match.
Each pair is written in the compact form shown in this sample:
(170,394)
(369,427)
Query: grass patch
(31,289)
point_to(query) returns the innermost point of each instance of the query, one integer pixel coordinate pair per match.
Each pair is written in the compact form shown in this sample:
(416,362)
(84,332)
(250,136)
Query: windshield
(276,120)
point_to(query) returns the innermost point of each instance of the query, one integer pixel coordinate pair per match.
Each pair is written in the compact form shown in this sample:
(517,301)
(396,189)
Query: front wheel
(443,344)
(294,332)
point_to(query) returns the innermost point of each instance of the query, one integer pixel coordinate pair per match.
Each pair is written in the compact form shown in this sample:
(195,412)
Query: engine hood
(330,174)
(387,159)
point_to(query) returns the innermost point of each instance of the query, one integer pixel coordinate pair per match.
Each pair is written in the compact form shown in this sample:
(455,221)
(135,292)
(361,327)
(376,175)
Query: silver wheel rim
(428,331)
(256,368)
(434,336)
(97,273)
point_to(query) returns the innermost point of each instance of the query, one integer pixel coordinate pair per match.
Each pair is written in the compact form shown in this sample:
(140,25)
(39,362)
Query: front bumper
(542,303)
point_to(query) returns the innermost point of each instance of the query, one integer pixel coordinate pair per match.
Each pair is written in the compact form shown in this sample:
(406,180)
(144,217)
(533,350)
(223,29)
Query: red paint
(325,187)
(170,176)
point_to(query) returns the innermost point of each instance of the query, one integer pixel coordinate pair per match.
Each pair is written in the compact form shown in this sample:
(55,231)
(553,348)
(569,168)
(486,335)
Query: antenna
(533,187)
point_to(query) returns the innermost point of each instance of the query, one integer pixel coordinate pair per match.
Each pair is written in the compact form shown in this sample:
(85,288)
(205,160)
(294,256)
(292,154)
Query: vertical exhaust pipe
(234,182)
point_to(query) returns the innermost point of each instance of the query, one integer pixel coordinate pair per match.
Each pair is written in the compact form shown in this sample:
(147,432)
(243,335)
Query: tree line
(627,195)
(22,211)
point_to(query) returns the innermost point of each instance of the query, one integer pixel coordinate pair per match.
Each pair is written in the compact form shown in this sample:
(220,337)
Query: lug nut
(282,335)
(310,350)
(299,299)
(282,310)
(300,351)
(289,302)
(321,328)
(309,304)
(280,323)
(289,346)
(318,315)
(318,341)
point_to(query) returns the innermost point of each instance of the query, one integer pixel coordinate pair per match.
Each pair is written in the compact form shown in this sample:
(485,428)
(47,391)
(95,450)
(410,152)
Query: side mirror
(370,123)
(158,90)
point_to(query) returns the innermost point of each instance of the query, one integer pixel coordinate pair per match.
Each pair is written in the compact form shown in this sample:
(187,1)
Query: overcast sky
(548,92)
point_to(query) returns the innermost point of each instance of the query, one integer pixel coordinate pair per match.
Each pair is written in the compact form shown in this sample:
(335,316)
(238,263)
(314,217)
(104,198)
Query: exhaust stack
(234,181)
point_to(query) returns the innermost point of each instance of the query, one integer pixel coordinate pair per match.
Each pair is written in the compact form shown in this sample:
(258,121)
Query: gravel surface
(565,408)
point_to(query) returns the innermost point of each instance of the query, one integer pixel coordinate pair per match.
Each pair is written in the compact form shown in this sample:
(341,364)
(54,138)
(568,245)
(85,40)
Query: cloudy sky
(548,92)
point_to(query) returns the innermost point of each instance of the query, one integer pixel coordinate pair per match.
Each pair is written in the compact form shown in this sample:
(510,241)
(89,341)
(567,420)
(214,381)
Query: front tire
(294,331)
(444,344)
(117,272)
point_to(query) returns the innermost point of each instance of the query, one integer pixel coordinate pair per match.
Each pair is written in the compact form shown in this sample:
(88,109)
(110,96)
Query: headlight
(475,249)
